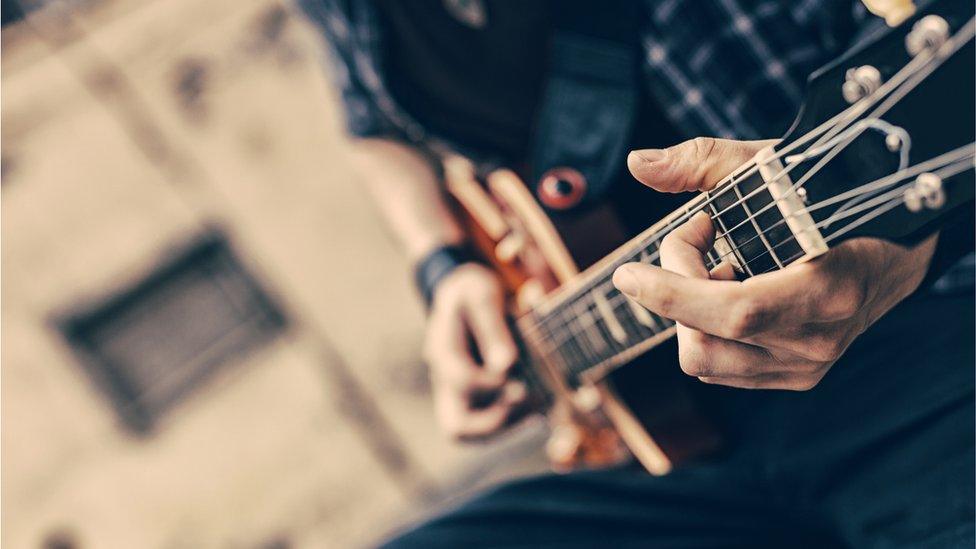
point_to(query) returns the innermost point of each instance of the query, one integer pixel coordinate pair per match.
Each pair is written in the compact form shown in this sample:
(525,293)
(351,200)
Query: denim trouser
(880,454)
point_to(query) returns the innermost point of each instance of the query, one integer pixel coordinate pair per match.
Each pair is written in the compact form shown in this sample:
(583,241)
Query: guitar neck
(588,327)
(871,164)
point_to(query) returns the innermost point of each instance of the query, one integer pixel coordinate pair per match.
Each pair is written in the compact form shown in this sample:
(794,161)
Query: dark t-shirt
(481,87)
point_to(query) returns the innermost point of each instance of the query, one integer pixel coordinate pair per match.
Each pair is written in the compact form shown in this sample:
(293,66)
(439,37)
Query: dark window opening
(151,344)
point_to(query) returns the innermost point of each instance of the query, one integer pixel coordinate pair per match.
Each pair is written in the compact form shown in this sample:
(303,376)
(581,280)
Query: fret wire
(585,334)
(759,233)
(791,236)
(830,127)
(735,249)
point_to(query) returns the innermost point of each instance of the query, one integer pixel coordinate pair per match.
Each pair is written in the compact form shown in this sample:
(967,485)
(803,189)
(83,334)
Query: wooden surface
(128,128)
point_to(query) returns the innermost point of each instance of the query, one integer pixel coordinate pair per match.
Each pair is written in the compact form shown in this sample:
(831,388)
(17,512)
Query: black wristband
(438,264)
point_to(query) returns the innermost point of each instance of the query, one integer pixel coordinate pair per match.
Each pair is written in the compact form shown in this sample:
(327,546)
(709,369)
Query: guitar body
(644,406)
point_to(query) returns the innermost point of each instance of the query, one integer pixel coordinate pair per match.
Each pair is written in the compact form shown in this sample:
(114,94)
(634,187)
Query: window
(151,344)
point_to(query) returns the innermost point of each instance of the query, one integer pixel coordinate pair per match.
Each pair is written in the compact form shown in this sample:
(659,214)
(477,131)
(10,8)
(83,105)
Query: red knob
(561,188)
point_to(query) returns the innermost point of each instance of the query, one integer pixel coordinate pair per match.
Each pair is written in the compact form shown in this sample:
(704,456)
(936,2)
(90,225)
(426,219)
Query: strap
(590,99)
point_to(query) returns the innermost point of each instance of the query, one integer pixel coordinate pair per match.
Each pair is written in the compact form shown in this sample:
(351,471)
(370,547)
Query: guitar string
(961,164)
(958,156)
(954,167)
(894,195)
(572,330)
(750,167)
(577,368)
(909,74)
(911,79)
(620,298)
(730,179)
(862,191)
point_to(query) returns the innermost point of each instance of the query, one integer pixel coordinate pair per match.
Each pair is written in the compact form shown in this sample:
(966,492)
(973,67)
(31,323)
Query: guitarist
(863,435)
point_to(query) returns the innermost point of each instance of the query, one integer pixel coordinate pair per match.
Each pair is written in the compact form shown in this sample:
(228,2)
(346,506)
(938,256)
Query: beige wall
(106,165)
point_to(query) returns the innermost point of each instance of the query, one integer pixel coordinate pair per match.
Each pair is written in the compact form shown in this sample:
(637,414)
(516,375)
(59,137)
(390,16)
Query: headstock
(884,143)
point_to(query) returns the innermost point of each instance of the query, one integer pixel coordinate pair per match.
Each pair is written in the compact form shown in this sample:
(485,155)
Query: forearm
(405,187)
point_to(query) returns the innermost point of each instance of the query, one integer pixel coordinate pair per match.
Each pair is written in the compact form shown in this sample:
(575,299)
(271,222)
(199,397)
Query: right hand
(472,399)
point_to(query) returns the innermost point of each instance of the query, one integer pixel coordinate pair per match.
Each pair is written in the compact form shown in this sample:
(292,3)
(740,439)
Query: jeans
(879,454)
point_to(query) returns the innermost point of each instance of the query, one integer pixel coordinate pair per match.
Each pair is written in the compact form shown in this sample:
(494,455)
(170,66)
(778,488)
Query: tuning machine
(860,82)
(927,192)
(927,34)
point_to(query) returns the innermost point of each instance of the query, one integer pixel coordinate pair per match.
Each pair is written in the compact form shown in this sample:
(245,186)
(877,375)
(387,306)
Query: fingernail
(515,391)
(625,281)
(648,155)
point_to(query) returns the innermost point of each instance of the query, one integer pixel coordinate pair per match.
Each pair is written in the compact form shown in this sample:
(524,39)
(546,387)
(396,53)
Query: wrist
(436,265)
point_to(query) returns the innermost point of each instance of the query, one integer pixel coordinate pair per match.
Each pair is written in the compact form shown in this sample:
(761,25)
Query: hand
(472,400)
(779,330)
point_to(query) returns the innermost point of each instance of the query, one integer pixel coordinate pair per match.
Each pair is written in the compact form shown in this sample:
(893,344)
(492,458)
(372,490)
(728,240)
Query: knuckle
(804,383)
(746,319)
(827,349)
(669,243)
(666,301)
(845,300)
(702,147)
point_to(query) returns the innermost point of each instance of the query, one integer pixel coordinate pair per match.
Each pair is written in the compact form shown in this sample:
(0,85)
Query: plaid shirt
(727,68)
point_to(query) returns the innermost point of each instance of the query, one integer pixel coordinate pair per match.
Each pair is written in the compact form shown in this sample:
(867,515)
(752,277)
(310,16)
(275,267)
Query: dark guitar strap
(590,98)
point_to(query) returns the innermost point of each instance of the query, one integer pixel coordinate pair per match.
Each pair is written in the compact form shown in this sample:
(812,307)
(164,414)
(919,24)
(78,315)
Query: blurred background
(208,338)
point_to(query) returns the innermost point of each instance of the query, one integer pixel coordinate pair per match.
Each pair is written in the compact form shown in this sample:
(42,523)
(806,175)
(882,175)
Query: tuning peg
(860,82)
(928,34)
(927,192)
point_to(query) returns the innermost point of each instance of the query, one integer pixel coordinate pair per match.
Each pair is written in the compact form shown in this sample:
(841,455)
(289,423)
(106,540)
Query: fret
(739,232)
(596,343)
(641,314)
(577,358)
(712,258)
(736,254)
(572,337)
(637,331)
(777,234)
(595,326)
(609,317)
(752,218)
(612,347)
(575,344)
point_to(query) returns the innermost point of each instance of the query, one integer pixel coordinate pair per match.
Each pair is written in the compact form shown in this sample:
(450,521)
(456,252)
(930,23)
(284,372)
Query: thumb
(697,164)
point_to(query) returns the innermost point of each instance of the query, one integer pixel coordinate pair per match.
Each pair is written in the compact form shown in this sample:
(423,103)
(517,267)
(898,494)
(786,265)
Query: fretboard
(588,327)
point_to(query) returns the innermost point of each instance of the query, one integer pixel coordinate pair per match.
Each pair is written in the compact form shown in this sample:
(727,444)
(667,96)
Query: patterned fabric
(728,68)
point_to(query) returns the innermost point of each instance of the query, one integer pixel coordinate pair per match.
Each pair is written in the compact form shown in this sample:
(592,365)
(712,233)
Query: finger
(698,164)
(816,342)
(468,378)
(477,424)
(492,336)
(683,249)
(779,380)
(450,358)
(700,304)
(723,271)
(729,309)
(703,355)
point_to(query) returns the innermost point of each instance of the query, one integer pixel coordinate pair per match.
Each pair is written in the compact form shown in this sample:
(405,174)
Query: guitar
(882,147)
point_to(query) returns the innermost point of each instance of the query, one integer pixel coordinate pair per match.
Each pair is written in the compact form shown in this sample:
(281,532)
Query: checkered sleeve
(349,66)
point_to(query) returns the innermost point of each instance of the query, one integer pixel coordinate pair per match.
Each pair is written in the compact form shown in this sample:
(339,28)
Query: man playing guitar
(862,433)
